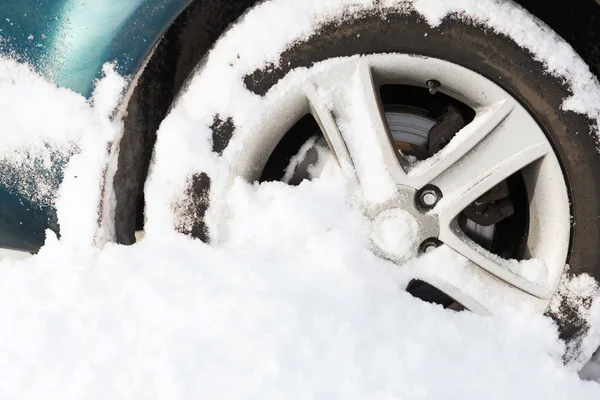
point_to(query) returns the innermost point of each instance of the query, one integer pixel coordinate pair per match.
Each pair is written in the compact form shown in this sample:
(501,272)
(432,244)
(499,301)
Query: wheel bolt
(429,245)
(429,198)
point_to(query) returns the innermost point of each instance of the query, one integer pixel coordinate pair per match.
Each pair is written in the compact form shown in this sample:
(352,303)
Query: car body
(68,41)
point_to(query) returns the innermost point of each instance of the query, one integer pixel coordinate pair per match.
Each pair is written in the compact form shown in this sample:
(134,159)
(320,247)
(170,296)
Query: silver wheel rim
(342,95)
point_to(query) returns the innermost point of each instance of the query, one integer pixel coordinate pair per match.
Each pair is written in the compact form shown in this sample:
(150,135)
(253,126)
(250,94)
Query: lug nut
(429,198)
(429,245)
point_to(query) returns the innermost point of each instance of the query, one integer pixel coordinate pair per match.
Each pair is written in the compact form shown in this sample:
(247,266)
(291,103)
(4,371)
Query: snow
(43,125)
(395,232)
(353,120)
(298,159)
(79,199)
(289,301)
(294,305)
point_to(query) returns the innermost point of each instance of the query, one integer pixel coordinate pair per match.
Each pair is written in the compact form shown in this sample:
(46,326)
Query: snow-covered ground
(294,305)
(291,304)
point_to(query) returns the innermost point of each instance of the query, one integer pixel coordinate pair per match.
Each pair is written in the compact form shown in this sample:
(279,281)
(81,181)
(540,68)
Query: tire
(490,54)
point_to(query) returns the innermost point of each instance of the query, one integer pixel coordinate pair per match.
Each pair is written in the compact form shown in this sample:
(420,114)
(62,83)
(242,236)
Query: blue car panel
(68,41)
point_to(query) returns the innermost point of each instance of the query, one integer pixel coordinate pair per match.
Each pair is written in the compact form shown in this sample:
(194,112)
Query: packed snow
(290,303)
(293,305)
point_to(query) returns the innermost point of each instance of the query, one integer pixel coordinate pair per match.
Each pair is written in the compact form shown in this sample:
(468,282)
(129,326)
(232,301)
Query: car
(472,125)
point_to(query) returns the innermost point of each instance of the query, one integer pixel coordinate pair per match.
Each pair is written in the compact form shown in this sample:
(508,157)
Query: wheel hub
(400,227)
(395,232)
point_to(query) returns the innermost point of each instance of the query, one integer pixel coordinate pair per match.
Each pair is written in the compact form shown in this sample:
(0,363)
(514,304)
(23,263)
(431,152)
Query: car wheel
(454,129)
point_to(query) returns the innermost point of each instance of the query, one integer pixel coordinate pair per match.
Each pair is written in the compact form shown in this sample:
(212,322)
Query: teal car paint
(68,41)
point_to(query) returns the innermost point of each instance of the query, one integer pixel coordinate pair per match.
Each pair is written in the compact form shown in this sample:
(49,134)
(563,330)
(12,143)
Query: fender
(68,41)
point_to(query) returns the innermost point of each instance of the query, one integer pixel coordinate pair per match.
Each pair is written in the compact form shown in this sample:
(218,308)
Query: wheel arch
(152,91)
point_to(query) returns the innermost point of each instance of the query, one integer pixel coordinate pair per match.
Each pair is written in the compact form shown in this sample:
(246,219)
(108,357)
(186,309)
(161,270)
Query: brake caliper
(492,207)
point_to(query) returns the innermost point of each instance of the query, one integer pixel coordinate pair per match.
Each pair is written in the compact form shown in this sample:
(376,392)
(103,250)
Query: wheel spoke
(346,107)
(510,146)
(531,276)
(486,121)
(469,285)
(330,130)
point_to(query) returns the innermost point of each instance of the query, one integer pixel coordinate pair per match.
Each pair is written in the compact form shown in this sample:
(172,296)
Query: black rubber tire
(494,56)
